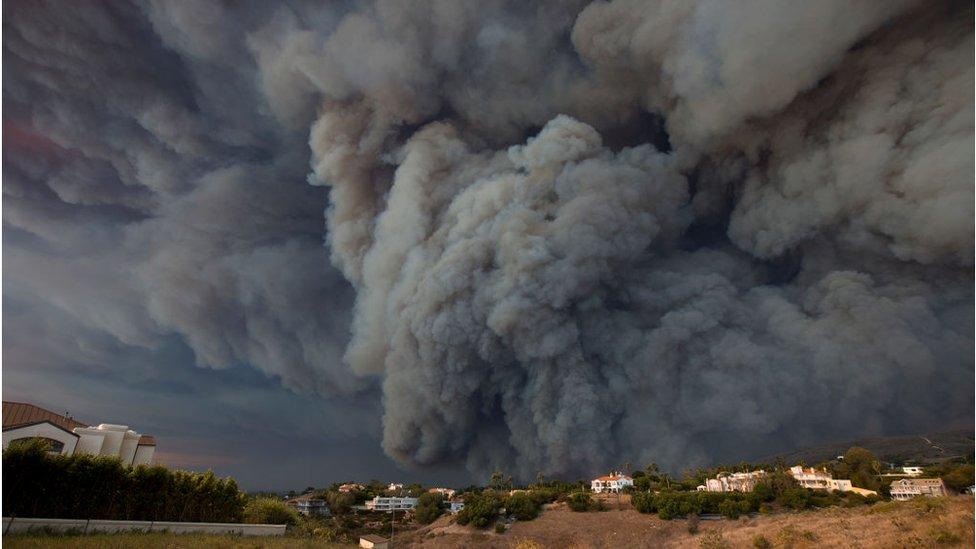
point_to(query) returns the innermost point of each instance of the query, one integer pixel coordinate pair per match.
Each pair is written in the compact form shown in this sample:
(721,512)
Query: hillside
(947,523)
(924,448)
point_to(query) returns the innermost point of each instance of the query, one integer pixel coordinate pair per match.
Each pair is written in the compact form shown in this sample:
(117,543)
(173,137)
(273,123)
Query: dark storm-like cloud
(569,234)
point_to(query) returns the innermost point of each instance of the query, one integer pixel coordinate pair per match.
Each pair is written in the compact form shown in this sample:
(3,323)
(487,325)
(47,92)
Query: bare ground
(945,523)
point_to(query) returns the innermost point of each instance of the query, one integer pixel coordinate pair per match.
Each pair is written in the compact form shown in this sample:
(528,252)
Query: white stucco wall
(45,430)
(144,455)
(90,441)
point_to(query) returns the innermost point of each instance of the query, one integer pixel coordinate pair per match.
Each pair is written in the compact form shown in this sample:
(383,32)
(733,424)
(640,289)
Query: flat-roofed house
(68,436)
(908,488)
(382,503)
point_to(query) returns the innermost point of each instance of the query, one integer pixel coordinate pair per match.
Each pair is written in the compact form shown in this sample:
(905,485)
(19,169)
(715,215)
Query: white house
(820,479)
(68,436)
(380,503)
(908,488)
(394,486)
(614,482)
(912,471)
(455,506)
(732,482)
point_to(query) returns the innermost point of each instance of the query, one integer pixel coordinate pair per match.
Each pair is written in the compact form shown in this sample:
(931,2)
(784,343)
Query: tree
(429,507)
(497,481)
(862,468)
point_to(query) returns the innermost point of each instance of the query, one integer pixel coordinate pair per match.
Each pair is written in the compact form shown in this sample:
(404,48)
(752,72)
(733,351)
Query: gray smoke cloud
(562,235)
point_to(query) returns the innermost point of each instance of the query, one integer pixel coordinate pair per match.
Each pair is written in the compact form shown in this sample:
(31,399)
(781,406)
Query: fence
(17,525)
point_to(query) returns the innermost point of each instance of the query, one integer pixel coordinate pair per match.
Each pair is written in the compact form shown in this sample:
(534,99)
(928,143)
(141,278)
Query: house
(394,486)
(351,487)
(819,479)
(614,482)
(309,506)
(372,541)
(446,492)
(912,471)
(908,488)
(455,506)
(68,436)
(732,482)
(380,503)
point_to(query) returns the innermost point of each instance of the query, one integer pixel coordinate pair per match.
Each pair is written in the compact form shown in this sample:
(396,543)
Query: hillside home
(351,487)
(908,488)
(912,471)
(68,436)
(614,482)
(819,479)
(733,482)
(380,503)
(455,506)
(394,486)
(446,492)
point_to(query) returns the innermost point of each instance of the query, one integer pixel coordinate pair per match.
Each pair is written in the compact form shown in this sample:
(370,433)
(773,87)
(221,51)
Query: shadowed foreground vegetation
(154,540)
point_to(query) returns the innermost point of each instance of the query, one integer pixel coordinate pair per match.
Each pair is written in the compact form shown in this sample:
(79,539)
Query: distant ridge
(923,448)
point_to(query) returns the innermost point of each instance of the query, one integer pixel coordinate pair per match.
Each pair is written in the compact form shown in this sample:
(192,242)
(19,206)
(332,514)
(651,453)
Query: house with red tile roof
(614,482)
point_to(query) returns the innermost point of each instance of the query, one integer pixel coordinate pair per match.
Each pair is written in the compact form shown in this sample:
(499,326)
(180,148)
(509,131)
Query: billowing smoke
(577,234)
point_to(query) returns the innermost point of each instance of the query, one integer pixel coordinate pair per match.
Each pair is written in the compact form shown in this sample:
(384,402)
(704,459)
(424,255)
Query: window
(54,446)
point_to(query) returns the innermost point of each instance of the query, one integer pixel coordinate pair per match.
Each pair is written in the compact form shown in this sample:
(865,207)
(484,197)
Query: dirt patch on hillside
(946,523)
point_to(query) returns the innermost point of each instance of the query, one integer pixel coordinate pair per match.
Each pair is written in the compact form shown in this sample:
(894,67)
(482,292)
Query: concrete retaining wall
(18,525)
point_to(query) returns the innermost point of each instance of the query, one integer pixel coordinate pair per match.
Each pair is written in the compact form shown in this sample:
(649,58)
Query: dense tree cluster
(38,484)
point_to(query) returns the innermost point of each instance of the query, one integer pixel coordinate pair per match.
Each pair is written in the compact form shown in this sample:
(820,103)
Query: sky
(305,242)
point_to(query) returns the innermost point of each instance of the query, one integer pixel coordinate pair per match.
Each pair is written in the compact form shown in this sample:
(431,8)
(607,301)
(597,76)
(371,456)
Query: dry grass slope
(924,523)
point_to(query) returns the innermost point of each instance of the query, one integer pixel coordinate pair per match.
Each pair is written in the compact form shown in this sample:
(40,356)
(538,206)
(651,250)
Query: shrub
(760,542)
(499,528)
(522,506)
(480,510)
(693,523)
(668,505)
(580,502)
(730,509)
(644,502)
(269,511)
(795,498)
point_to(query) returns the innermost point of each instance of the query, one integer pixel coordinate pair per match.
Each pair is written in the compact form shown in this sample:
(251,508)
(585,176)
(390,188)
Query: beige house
(908,488)
(733,482)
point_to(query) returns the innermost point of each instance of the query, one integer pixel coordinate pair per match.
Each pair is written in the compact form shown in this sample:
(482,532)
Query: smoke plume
(562,235)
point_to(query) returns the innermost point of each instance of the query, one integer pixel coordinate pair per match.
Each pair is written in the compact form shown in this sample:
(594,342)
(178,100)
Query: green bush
(269,511)
(760,542)
(100,487)
(580,502)
(499,528)
(480,510)
(522,506)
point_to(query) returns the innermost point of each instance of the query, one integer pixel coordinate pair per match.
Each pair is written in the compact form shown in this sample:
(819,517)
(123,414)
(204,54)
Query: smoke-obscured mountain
(909,449)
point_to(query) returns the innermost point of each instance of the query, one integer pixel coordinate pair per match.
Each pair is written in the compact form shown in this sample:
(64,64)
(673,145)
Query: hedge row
(38,484)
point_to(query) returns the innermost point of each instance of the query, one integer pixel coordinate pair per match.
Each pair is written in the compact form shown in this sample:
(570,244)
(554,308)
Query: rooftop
(20,414)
